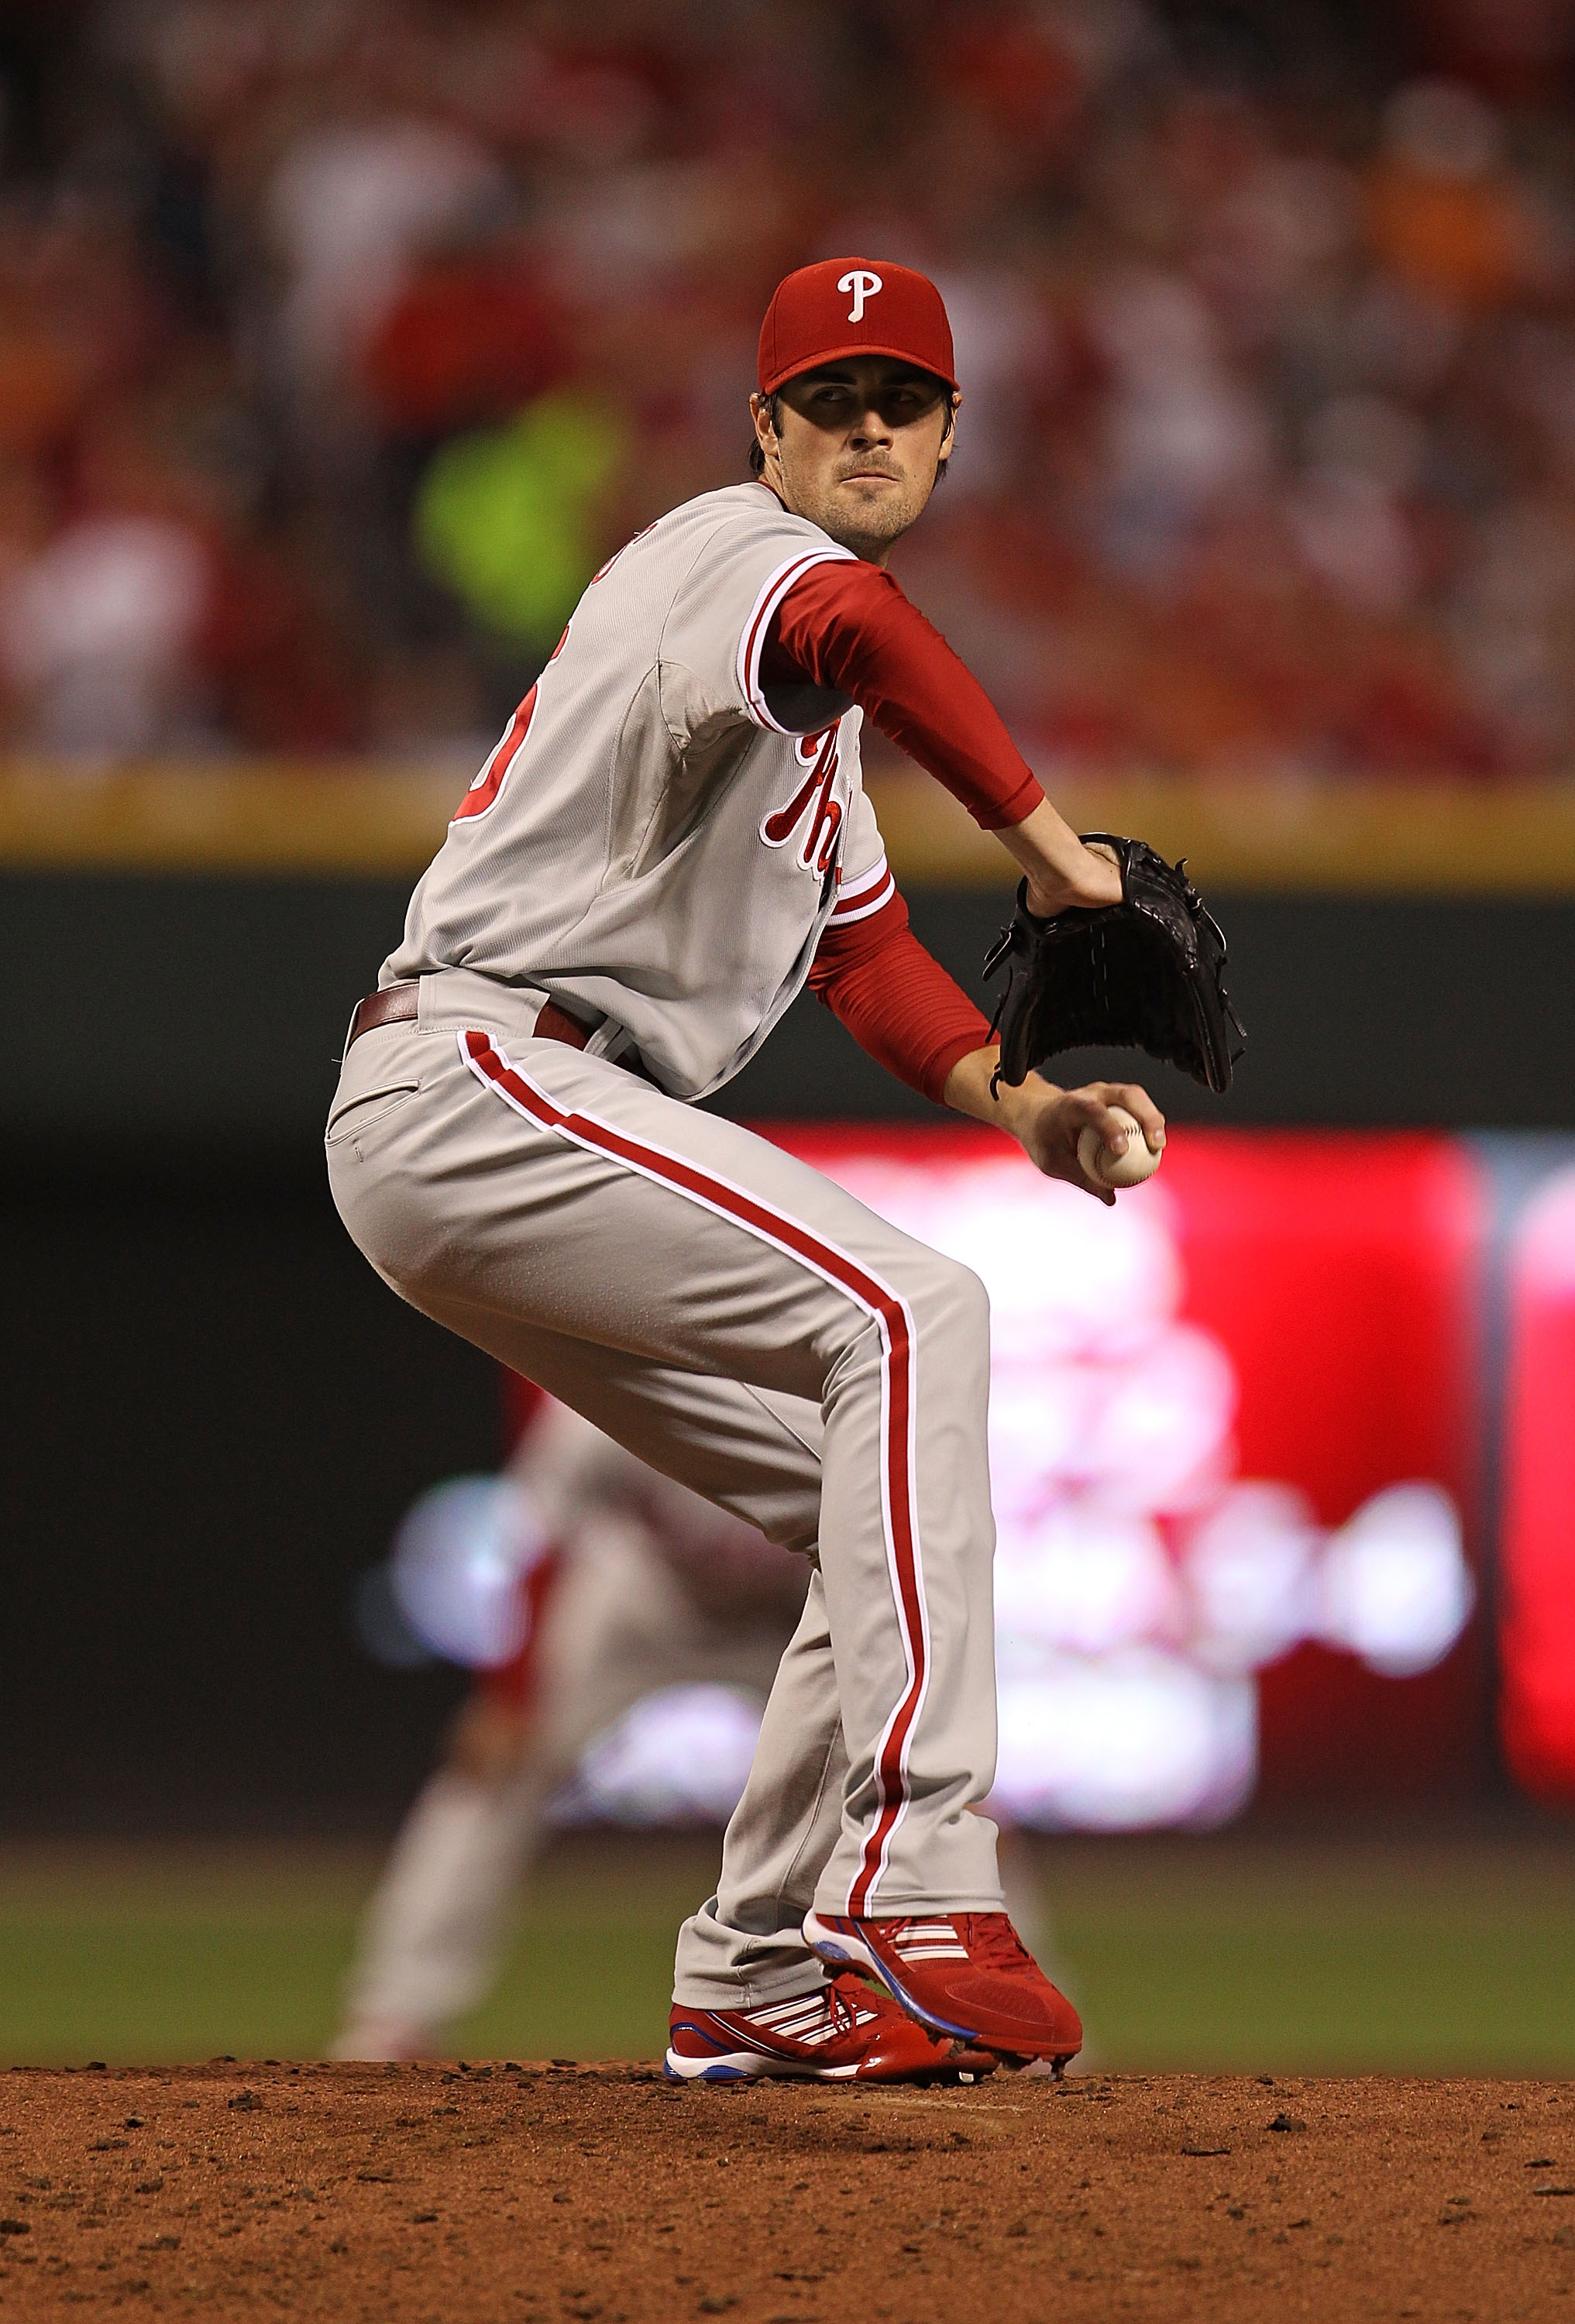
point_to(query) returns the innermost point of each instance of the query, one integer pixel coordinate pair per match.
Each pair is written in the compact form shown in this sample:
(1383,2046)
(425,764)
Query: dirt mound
(545,2192)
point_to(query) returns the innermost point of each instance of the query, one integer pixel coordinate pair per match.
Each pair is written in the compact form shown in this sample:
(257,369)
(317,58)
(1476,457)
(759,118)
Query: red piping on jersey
(894,1322)
(758,627)
(845,626)
(860,898)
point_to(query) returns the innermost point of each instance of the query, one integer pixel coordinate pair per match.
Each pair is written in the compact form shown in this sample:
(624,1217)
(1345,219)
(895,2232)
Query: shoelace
(839,2008)
(993,1944)
(840,2003)
(845,1996)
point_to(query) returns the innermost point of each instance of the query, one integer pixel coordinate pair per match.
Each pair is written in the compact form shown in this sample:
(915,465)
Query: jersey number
(490,781)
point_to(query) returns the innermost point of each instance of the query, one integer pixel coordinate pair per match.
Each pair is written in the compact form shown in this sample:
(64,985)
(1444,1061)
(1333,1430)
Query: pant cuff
(891,1906)
(749,1992)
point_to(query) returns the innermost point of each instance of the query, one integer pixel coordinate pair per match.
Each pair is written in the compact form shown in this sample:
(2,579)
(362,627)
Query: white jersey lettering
(812,804)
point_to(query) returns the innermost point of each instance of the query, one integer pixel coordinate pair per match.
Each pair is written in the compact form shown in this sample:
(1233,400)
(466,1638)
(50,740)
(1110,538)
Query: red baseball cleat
(844,2033)
(966,1974)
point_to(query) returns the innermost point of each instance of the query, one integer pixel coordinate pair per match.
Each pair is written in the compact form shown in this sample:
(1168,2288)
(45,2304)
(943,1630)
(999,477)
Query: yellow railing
(342,819)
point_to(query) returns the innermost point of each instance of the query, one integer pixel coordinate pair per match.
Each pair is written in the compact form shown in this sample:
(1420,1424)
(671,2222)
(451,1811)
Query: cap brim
(823,356)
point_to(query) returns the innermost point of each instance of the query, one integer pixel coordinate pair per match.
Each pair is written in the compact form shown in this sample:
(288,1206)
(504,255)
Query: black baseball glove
(1145,974)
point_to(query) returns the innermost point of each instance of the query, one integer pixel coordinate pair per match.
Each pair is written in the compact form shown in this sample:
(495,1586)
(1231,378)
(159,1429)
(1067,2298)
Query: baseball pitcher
(669,842)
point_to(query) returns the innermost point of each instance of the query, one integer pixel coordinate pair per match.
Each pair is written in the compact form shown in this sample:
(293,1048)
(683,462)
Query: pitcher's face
(860,446)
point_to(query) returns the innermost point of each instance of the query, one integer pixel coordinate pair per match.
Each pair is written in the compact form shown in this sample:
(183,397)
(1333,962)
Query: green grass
(1453,1953)
(172,1952)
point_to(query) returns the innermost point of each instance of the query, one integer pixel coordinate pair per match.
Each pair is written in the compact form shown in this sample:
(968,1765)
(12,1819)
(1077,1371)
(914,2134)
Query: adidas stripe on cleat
(842,2033)
(963,1975)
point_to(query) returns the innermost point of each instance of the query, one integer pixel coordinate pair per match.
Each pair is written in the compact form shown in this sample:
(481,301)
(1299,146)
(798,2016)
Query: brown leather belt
(396,1004)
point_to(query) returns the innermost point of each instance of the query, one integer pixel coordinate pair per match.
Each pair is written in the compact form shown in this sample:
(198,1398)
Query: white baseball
(1136,1162)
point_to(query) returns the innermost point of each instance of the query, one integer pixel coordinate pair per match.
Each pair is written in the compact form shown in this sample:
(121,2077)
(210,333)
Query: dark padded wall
(1379,1012)
(152,1014)
(214,1415)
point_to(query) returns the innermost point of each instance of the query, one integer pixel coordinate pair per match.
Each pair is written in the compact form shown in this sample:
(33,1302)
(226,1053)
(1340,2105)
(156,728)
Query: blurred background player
(629,1582)
(623,1582)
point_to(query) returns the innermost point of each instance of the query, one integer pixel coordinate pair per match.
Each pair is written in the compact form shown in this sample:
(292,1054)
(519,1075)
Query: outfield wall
(185,945)
(162,1015)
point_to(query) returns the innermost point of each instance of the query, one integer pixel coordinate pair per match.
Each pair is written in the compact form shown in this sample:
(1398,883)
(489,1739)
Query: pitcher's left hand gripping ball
(1145,974)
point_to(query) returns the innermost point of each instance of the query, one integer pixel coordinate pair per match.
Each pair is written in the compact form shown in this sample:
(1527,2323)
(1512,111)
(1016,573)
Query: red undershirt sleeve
(896,998)
(845,626)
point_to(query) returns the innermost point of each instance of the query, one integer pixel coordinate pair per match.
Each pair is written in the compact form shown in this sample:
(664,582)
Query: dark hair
(773,404)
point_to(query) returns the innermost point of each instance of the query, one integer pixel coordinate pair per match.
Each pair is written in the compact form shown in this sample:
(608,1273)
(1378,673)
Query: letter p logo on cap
(845,307)
(863,285)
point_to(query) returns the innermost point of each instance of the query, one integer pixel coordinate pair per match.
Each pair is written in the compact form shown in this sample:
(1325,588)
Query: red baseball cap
(854,307)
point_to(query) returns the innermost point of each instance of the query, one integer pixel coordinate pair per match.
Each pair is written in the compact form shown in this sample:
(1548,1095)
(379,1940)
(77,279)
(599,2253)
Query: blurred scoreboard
(1537,1517)
(1234,1443)
(1270,1442)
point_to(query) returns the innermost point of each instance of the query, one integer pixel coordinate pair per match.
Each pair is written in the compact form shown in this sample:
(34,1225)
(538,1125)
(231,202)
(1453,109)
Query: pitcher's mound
(460,2195)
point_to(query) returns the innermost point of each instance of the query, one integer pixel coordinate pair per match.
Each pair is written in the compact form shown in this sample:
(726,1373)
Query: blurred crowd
(341,339)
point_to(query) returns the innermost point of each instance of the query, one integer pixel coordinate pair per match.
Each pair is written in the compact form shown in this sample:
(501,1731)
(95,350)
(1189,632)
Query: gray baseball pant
(734,1319)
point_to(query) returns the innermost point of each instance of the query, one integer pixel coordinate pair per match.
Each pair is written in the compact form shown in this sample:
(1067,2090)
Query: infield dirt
(539,2193)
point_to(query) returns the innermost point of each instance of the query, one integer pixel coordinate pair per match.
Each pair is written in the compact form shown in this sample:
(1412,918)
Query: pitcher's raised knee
(950,1308)
(936,1304)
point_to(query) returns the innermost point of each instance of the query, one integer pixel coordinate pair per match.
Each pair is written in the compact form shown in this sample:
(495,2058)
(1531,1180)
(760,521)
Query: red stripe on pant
(494,1070)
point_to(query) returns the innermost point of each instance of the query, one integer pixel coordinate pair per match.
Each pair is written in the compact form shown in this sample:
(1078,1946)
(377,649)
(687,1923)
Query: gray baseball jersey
(659,839)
